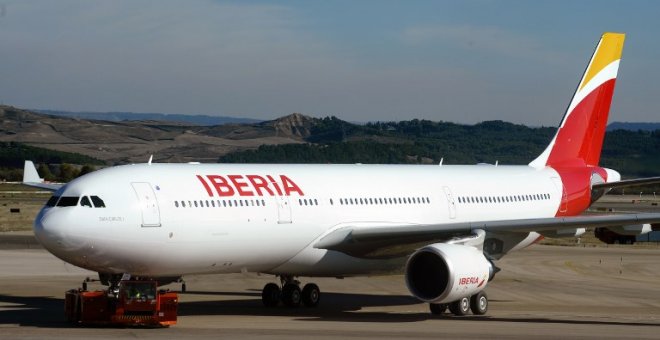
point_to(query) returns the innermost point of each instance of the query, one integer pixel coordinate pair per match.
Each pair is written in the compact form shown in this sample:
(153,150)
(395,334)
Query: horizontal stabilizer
(628,183)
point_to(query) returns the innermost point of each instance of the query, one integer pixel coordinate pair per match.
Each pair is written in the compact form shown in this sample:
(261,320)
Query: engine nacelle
(625,234)
(633,230)
(443,273)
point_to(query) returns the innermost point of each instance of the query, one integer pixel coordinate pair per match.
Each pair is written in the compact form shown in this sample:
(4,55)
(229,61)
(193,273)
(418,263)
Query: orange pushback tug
(132,302)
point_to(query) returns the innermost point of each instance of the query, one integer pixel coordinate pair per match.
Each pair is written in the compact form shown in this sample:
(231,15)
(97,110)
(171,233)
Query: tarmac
(544,292)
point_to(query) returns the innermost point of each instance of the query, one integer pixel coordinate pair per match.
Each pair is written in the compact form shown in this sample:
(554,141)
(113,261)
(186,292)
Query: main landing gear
(478,303)
(290,295)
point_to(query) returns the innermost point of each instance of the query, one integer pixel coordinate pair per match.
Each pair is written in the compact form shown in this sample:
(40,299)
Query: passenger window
(176,204)
(98,202)
(84,201)
(67,201)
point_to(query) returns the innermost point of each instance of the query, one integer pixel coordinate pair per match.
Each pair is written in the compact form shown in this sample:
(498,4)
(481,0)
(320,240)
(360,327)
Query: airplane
(442,226)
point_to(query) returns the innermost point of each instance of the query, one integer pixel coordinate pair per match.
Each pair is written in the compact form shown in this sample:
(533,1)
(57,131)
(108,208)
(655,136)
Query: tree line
(633,153)
(53,165)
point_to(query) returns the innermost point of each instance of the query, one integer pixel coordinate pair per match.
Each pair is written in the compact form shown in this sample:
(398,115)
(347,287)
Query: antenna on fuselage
(151,158)
(441,160)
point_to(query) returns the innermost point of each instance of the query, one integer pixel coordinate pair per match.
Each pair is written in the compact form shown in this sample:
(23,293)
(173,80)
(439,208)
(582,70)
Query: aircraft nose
(48,232)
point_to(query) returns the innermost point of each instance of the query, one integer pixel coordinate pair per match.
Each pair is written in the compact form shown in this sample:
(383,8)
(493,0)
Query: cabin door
(451,203)
(148,204)
(283,210)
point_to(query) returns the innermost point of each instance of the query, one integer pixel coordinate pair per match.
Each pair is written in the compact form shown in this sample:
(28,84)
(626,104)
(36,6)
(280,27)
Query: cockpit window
(98,202)
(84,201)
(52,201)
(67,201)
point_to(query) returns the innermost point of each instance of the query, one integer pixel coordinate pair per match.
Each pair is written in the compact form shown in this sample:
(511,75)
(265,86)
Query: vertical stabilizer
(30,174)
(579,139)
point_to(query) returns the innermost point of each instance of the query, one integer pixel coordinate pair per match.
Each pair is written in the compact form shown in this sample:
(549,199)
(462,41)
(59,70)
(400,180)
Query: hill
(302,139)
(633,126)
(134,141)
(204,120)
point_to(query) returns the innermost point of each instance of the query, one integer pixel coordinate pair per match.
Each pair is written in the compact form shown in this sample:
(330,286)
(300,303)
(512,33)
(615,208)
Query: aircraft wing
(627,183)
(31,178)
(391,241)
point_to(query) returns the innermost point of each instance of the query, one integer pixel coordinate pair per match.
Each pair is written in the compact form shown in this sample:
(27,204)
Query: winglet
(30,174)
(579,138)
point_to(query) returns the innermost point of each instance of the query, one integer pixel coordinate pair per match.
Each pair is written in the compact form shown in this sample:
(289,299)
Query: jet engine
(625,234)
(444,273)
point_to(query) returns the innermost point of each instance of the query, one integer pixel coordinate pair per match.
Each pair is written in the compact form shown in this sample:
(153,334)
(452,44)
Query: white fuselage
(177,219)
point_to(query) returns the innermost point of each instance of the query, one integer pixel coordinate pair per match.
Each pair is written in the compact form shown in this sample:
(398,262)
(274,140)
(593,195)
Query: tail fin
(30,174)
(579,139)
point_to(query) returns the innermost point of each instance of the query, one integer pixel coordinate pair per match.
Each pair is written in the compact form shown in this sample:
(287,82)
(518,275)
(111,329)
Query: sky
(366,60)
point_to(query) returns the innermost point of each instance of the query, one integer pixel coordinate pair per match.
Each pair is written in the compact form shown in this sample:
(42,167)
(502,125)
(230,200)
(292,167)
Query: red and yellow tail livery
(579,139)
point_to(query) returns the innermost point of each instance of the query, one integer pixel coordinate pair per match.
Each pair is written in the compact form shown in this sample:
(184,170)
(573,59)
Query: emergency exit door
(148,204)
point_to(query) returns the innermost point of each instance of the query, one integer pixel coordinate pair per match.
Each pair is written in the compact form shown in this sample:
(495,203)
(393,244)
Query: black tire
(270,295)
(311,295)
(437,308)
(291,295)
(479,303)
(460,307)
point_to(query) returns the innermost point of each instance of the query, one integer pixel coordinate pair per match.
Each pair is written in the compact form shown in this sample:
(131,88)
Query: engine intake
(443,273)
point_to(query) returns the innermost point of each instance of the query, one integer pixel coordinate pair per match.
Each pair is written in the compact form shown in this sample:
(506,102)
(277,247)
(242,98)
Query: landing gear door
(148,204)
(450,202)
(283,210)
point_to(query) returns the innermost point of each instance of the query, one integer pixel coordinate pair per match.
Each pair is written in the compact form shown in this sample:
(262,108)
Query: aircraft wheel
(437,308)
(479,303)
(311,295)
(460,307)
(270,295)
(291,295)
